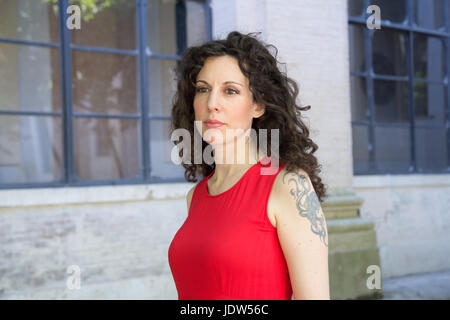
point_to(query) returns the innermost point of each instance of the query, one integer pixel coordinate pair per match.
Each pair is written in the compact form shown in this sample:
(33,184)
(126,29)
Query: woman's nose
(213,102)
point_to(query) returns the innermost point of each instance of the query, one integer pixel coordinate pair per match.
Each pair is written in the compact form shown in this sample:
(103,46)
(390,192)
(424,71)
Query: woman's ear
(259,110)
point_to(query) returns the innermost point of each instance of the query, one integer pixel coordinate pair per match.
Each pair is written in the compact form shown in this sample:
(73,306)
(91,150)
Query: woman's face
(223,101)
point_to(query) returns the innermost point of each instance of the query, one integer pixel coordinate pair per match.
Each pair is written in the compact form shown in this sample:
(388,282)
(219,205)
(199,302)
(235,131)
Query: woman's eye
(228,91)
(200,89)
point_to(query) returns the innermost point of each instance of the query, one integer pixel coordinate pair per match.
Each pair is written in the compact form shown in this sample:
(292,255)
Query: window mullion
(368,34)
(208,15)
(66,92)
(411,110)
(447,77)
(141,21)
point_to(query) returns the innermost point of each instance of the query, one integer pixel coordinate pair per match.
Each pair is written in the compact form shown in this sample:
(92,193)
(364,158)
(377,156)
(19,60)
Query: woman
(248,235)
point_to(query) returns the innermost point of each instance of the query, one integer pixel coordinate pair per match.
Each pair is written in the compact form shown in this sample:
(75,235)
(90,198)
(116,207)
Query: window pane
(429,61)
(110,24)
(389,52)
(391,101)
(356,42)
(431,149)
(164,17)
(355,7)
(106,148)
(29,78)
(161,147)
(358,98)
(360,148)
(429,105)
(161,26)
(30,149)
(393,11)
(162,85)
(104,83)
(392,149)
(195,23)
(429,14)
(29,20)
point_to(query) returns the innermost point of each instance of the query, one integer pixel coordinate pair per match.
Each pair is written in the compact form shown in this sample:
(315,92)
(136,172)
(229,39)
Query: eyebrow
(223,83)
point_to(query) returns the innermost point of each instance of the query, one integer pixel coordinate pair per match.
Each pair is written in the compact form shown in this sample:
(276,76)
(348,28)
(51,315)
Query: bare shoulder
(293,196)
(302,232)
(298,178)
(189,196)
(291,187)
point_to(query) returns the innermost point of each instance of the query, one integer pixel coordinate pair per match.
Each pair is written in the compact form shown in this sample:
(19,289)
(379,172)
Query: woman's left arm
(303,234)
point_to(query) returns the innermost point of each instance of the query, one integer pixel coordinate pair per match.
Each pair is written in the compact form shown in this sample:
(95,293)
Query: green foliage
(89,8)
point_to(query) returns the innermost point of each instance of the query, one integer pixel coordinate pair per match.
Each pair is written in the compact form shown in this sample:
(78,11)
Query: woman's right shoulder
(190,194)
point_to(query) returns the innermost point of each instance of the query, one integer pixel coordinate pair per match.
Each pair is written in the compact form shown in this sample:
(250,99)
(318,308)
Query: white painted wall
(412,221)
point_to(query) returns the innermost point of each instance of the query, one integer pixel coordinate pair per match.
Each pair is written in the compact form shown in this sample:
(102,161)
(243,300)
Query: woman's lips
(212,124)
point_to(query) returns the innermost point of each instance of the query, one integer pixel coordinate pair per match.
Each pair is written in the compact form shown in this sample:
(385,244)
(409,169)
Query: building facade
(88,189)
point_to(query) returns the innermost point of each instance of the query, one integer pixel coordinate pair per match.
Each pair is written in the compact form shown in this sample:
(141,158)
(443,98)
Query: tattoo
(307,203)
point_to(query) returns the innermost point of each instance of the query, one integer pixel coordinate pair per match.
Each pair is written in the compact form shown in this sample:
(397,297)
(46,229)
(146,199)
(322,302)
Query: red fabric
(227,248)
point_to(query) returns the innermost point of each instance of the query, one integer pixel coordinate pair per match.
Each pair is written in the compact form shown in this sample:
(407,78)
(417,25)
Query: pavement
(426,286)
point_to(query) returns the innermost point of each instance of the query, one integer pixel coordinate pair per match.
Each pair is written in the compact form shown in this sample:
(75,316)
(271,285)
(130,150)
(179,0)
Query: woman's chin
(214,142)
(213,136)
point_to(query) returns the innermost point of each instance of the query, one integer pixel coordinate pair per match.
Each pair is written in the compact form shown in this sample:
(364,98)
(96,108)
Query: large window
(91,105)
(400,96)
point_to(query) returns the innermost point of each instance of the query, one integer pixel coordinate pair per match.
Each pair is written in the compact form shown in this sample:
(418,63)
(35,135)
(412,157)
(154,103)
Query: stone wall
(117,236)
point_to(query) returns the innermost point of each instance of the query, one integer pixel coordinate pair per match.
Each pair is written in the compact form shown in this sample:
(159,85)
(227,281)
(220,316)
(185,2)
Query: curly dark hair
(268,85)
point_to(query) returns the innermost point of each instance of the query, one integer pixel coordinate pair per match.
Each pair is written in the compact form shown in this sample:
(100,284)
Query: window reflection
(429,104)
(33,20)
(29,78)
(172,25)
(393,149)
(162,85)
(392,10)
(389,52)
(104,83)
(195,23)
(161,26)
(30,149)
(110,24)
(429,14)
(391,101)
(431,149)
(106,148)
(355,7)
(160,151)
(357,49)
(429,61)
(360,135)
(358,98)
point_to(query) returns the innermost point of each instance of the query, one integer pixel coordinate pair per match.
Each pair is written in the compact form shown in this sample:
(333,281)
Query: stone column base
(352,248)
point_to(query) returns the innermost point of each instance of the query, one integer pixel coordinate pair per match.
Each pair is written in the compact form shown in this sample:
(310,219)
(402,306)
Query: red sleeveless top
(227,249)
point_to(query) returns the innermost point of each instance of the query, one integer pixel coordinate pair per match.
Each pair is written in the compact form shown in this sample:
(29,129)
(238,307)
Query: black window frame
(369,75)
(143,54)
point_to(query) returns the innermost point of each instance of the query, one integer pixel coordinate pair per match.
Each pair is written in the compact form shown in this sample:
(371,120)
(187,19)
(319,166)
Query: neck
(233,157)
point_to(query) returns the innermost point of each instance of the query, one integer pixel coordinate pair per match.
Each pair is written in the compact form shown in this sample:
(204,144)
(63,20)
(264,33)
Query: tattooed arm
(302,232)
